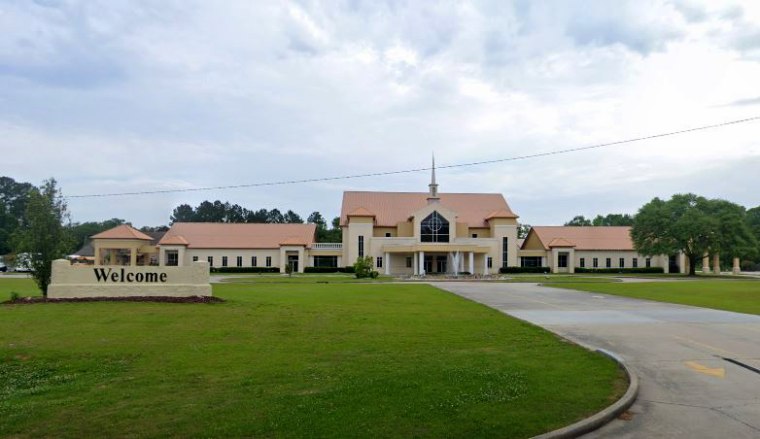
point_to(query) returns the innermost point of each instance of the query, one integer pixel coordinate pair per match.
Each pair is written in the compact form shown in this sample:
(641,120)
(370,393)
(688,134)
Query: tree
(363,268)
(522,231)
(613,219)
(184,213)
(42,233)
(318,219)
(734,236)
(685,223)
(275,217)
(259,216)
(291,217)
(578,221)
(13,199)
(753,221)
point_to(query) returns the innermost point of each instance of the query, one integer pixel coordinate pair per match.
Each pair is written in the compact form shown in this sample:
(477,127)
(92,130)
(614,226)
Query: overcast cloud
(122,96)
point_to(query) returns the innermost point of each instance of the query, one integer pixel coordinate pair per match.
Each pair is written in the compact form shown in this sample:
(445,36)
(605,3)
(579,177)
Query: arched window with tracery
(434,228)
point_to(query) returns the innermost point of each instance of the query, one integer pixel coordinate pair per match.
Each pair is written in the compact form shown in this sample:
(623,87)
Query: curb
(606,415)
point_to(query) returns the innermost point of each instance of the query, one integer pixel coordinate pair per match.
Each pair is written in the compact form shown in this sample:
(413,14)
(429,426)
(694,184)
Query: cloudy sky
(122,96)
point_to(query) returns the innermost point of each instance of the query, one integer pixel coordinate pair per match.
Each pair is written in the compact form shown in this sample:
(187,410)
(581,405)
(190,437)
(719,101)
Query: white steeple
(433,186)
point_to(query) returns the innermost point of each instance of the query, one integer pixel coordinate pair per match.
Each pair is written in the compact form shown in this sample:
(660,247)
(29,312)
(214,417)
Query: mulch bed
(162,299)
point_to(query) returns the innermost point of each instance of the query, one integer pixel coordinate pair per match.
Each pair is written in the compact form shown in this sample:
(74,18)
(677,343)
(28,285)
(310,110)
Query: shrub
(363,268)
(328,270)
(245,269)
(505,270)
(15,296)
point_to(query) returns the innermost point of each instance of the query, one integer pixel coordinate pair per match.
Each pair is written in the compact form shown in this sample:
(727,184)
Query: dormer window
(434,228)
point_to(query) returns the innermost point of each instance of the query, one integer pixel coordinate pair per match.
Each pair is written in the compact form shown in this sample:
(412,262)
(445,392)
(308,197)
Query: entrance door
(293,262)
(440,264)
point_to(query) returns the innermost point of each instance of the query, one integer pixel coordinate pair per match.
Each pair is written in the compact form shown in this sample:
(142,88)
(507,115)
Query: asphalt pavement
(694,364)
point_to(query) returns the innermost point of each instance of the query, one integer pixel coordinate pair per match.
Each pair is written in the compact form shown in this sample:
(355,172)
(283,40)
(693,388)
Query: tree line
(224,212)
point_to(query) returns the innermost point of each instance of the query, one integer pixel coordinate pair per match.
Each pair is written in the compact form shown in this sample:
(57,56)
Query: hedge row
(543,270)
(639,270)
(328,270)
(507,270)
(245,269)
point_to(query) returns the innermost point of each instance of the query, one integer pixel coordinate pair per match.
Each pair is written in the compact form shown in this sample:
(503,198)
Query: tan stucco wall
(405,229)
(379,232)
(232,255)
(81,281)
(533,243)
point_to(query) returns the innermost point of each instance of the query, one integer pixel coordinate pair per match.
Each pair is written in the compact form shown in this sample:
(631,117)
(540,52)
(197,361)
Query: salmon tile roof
(585,238)
(173,240)
(560,242)
(242,235)
(124,231)
(501,214)
(360,211)
(391,208)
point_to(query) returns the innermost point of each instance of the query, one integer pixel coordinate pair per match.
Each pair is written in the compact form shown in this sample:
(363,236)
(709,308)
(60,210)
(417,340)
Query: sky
(123,96)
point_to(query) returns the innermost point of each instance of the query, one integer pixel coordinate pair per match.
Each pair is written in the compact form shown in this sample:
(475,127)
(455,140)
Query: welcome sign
(70,281)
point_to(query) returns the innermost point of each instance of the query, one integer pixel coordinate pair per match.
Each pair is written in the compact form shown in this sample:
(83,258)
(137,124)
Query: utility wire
(408,171)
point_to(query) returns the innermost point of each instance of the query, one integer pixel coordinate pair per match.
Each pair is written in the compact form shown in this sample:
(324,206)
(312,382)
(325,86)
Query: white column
(737,266)
(705,264)
(387,262)
(415,264)
(472,263)
(422,263)
(485,263)
(301,261)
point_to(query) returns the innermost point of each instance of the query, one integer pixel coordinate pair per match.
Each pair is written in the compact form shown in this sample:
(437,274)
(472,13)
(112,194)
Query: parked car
(3,267)
(23,263)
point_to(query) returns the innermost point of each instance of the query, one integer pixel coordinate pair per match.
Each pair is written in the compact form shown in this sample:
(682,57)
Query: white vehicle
(23,263)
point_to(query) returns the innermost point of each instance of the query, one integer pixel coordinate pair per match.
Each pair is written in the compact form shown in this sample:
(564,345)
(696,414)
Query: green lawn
(290,360)
(730,295)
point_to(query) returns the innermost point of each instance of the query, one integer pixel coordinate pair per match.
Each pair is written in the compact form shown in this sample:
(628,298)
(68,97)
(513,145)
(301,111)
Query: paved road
(687,389)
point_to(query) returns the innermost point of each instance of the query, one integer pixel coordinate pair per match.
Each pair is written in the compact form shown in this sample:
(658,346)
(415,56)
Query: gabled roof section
(241,235)
(584,238)
(173,240)
(391,208)
(124,231)
(502,213)
(561,242)
(360,211)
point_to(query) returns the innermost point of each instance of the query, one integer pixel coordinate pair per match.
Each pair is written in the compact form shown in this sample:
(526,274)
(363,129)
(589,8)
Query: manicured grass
(291,360)
(739,296)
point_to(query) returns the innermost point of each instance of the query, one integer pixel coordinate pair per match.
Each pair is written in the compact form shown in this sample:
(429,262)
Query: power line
(408,171)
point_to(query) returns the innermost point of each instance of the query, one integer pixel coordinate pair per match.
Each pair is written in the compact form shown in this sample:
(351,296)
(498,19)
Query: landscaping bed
(161,299)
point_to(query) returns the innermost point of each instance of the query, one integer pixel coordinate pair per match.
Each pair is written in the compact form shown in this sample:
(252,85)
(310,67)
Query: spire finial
(433,193)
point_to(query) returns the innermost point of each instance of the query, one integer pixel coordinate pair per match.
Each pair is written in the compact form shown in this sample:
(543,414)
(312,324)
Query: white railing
(327,246)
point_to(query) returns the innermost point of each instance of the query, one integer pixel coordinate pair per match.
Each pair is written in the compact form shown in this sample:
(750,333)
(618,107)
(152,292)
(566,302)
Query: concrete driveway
(688,388)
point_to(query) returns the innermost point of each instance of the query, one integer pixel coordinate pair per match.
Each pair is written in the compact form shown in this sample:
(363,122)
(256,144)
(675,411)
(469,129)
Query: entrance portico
(437,258)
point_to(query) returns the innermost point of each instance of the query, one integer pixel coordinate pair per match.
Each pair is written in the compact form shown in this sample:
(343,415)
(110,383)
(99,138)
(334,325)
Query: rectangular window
(326,261)
(387,234)
(210,261)
(609,262)
(530,261)
(224,261)
(361,246)
(596,262)
(408,262)
(474,235)
(172,258)
(583,263)
(635,263)
(490,262)
(622,262)
(269,261)
(562,260)
(254,261)
(379,262)
(649,262)
(239,261)
(195,258)
(504,251)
